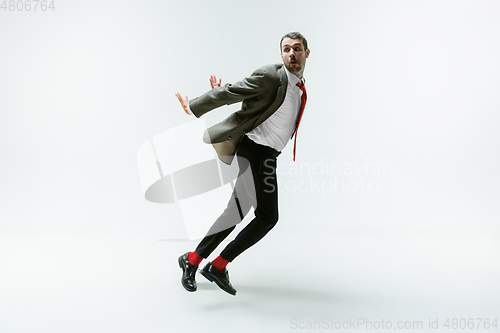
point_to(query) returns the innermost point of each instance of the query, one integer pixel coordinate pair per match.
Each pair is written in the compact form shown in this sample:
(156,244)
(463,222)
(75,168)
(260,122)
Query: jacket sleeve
(228,94)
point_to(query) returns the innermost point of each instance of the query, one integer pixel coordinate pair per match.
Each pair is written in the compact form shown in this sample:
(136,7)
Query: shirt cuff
(189,110)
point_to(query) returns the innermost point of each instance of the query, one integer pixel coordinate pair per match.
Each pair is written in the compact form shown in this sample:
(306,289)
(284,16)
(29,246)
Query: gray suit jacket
(262,94)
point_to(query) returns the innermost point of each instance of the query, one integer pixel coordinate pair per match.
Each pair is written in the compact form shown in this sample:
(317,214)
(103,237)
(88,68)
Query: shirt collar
(292,78)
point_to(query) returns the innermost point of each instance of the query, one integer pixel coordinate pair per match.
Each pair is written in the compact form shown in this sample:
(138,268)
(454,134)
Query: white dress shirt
(275,131)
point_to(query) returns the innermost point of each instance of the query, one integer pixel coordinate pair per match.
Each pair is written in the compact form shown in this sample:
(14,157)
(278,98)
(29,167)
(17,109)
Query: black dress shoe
(188,273)
(221,278)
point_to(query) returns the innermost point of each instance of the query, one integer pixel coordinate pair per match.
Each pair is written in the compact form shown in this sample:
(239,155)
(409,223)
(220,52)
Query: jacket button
(229,137)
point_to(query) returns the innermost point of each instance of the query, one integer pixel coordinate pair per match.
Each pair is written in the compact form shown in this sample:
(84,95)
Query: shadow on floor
(248,294)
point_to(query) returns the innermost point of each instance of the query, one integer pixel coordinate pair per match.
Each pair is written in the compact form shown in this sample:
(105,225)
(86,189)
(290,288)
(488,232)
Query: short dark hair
(295,35)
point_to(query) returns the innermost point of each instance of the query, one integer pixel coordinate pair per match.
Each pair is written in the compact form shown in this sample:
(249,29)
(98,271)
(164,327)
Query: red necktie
(303,100)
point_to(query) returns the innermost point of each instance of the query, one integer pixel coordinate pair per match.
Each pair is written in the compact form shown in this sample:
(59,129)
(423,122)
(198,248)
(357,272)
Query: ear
(307,53)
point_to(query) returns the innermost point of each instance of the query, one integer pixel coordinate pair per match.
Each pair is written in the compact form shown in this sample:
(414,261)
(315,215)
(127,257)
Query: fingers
(213,81)
(179,97)
(184,102)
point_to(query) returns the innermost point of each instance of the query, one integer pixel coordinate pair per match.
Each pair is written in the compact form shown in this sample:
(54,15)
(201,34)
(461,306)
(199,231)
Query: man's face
(294,56)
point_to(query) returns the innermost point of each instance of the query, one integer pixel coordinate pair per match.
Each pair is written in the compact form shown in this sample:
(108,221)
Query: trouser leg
(266,212)
(242,199)
(256,186)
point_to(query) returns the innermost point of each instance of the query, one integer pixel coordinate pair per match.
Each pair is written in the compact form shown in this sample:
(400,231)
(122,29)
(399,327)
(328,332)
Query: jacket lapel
(280,97)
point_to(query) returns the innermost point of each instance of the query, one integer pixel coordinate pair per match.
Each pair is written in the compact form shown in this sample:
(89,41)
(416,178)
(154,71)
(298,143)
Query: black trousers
(255,186)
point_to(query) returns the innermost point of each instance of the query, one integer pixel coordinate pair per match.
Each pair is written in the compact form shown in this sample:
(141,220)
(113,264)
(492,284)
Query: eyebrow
(300,44)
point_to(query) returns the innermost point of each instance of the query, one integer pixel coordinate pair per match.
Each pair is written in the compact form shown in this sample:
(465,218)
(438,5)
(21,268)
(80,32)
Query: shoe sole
(210,278)
(181,265)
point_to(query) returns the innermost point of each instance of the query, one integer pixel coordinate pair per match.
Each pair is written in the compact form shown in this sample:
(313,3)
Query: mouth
(293,62)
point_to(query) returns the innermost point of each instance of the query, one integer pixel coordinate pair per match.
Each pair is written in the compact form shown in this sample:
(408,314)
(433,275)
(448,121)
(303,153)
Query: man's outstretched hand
(213,82)
(184,102)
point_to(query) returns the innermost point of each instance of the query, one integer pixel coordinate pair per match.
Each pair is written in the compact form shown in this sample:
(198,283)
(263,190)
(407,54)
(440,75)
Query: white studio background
(391,209)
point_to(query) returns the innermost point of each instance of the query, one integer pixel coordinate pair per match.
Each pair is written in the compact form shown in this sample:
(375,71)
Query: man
(273,99)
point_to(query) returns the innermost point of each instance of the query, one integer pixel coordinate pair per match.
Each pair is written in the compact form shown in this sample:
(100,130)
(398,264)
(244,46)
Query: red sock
(194,258)
(220,263)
